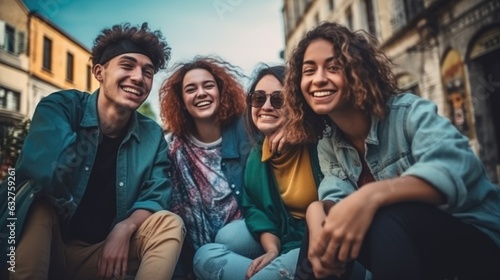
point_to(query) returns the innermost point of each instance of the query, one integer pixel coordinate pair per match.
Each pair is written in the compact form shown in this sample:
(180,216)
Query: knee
(227,234)
(209,260)
(166,222)
(42,212)
(210,250)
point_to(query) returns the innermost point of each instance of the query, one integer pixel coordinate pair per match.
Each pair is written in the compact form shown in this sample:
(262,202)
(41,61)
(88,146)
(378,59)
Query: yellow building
(57,61)
(37,58)
(13,64)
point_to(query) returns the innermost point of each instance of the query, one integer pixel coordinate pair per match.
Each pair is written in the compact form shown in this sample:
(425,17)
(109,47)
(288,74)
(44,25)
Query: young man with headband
(97,172)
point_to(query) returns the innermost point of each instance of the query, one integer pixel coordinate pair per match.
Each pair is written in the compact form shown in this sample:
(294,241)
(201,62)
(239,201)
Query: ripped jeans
(232,253)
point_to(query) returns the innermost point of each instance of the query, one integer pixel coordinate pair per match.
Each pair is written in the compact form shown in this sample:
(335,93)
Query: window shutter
(21,42)
(2,34)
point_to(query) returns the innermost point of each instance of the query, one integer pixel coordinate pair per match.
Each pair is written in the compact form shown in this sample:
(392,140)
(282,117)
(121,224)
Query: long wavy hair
(368,78)
(277,71)
(176,118)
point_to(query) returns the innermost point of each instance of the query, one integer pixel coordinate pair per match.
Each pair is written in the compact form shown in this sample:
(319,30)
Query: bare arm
(347,222)
(272,247)
(113,258)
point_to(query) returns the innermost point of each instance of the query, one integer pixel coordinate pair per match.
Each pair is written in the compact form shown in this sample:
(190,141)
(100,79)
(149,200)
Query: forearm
(270,242)
(134,221)
(316,214)
(401,189)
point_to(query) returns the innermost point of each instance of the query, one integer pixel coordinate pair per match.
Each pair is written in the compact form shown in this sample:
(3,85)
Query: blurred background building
(447,51)
(36,59)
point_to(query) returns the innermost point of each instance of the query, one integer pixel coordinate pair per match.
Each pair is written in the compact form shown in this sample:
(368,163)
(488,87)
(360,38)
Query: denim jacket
(61,147)
(235,150)
(413,140)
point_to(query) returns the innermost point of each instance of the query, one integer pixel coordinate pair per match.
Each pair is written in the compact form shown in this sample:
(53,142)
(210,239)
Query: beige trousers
(42,253)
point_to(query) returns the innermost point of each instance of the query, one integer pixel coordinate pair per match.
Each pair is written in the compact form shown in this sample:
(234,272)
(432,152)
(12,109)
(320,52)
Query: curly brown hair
(151,41)
(368,77)
(232,96)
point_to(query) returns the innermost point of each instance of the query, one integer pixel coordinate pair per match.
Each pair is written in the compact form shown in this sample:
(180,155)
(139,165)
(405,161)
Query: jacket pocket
(395,167)
(337,171)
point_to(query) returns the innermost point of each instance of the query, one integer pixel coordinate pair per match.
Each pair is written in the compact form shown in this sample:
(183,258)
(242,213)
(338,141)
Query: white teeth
(203,103)
(267,117)
(322,93)
(132,90)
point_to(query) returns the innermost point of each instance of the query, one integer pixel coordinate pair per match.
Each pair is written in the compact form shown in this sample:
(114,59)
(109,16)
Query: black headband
(121,47)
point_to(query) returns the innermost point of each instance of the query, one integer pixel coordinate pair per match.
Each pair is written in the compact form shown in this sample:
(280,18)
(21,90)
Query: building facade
(14,64)
(36,59)
(446,51)
(56,61)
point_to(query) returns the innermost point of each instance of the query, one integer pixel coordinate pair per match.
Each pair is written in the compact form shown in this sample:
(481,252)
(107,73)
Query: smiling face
(267,118)
(200,95)
(322,82)
(125,81)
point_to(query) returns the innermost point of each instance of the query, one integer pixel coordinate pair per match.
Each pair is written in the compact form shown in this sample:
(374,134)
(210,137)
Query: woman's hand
(277,141)
(342,235)
(260,262)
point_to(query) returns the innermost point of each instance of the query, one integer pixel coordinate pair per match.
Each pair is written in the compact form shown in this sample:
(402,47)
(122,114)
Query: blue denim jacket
(234,153)
(61,147)
(413,140)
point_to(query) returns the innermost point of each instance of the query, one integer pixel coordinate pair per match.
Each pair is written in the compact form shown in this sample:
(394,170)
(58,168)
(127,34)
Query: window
(413,8)
(11,40)
(370,16)
(331,4)
(404,12)
(349,17)
(69,66)
(9,43)
(296,12)
(89,78)
(47,54)
(9,99)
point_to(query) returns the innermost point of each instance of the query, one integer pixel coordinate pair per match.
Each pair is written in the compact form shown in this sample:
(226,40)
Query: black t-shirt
(93,218)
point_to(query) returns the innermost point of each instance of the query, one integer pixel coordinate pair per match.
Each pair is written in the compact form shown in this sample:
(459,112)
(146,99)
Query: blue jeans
(232,253)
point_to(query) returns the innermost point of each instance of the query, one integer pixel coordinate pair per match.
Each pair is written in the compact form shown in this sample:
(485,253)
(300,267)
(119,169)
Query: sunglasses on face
(259,98)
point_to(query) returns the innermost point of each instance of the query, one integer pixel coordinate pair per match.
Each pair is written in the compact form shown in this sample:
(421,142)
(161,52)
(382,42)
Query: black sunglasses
(259,98)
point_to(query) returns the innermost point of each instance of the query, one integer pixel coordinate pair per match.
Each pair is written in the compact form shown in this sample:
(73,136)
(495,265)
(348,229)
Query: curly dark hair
(368,77)
(232,96)
(152,42)
(261,70)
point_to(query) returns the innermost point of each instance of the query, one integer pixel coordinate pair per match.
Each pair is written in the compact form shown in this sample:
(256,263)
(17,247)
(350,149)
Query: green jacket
(58,155)
(264,210)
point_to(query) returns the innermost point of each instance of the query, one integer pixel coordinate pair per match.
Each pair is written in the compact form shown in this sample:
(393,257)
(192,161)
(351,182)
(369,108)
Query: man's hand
(113,257)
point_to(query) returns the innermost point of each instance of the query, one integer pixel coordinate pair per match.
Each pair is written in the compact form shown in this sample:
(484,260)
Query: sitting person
(403,193)
(99,186)
(278,189)
(202,104)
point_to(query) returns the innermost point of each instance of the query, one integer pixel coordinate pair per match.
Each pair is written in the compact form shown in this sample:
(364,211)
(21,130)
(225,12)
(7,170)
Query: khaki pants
(42,254)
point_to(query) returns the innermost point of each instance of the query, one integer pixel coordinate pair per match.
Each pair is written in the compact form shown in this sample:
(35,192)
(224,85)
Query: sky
(242,32)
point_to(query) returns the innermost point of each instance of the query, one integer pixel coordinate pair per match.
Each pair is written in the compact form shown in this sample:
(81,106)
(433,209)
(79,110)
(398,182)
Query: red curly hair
(232,96)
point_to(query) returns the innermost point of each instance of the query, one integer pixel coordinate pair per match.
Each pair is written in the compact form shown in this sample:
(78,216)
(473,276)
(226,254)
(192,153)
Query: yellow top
(294,176)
